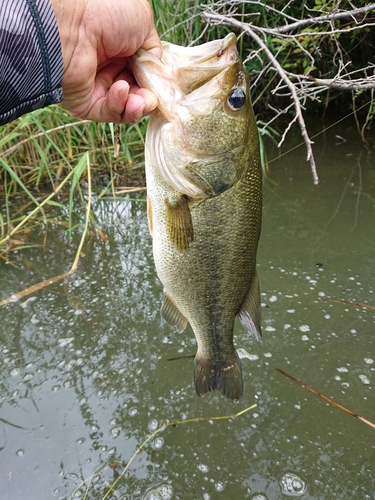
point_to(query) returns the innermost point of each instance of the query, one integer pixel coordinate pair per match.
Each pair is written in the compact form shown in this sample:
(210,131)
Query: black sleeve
(31,66)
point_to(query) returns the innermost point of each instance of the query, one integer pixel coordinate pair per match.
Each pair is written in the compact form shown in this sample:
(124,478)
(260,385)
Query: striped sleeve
(31,66)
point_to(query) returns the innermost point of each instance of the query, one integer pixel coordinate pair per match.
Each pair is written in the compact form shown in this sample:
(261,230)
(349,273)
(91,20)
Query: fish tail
(225,377)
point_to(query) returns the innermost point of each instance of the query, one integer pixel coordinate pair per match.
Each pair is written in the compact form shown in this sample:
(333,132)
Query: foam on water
(292,485)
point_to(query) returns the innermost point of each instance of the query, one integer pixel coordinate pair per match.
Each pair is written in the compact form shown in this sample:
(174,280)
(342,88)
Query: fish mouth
(198,55)
(183,70)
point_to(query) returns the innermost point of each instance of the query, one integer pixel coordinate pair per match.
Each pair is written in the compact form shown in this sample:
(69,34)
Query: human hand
(97,38)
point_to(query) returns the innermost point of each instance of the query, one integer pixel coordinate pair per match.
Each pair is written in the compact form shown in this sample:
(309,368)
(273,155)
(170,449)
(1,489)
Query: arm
(88,71)
(31,66)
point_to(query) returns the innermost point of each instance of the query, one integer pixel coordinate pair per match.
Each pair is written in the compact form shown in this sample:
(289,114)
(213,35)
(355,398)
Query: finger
(123,104)
(153,43)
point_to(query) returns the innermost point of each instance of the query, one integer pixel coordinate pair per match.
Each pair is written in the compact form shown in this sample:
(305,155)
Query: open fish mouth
(184,70)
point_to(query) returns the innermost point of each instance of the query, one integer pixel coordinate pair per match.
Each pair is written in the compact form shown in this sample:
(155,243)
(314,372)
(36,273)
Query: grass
(41,154)
(44,154)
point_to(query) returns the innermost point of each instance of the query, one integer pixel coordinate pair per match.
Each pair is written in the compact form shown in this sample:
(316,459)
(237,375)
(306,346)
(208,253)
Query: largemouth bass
(204,189)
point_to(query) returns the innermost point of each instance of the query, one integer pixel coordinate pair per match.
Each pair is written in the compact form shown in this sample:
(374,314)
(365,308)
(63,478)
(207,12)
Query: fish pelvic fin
(250,313)
(172,314)
(179,223)
(225,377)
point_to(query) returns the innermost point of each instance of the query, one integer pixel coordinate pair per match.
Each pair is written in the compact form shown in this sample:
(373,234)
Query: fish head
(205,122)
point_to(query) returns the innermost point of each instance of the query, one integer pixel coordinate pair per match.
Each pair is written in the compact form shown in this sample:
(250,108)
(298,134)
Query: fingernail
(138,115)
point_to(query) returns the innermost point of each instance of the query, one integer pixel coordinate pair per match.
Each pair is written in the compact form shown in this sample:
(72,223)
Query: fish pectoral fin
(172,315)
(250,313)
(179,223)
(225,377)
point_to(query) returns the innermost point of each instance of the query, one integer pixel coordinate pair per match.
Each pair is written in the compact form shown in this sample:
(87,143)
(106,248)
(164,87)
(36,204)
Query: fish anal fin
(171,314)
(179,223)
(250,313)
(225,377)
(149,216)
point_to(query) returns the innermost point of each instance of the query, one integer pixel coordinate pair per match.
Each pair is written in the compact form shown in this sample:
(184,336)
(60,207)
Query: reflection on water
(84,376)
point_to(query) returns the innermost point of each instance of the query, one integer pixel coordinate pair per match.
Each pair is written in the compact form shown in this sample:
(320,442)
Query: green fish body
(204,188)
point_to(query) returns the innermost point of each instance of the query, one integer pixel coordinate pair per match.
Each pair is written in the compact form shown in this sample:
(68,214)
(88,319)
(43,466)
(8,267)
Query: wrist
(69,15)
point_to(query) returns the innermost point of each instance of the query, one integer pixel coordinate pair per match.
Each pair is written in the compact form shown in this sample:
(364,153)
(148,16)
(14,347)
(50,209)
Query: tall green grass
(39,151)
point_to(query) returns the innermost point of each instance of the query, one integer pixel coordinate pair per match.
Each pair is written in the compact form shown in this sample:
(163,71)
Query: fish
(204,200)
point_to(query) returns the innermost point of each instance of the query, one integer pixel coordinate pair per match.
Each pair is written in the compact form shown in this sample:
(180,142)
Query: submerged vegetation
(301,59)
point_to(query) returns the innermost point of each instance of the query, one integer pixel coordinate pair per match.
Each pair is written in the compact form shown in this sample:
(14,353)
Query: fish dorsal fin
(179,223)
(250,313)
(171,313)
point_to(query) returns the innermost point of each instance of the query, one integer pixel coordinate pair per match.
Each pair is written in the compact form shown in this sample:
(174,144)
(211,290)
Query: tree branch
(219,19)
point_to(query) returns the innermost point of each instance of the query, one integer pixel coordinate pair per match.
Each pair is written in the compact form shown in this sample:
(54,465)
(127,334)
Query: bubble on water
(268,355)
(259,496)
(327,316)
(133,411)
(152,425)
(20,453)
(292,485)
(270,328)
(163,492)
(287,326)
(203,468)
(115,431)
(206,496)
(28,376)
(369,361)
(34,319)
(158,443)
(219,486)
(273,298)
(65,341)
(305,338)
(342,369)
(304,328)
(242,353)
(291,311)
(364,379)
(80,440)
(15,371)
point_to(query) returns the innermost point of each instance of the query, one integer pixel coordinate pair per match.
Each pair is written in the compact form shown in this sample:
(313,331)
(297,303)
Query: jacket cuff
(31,65)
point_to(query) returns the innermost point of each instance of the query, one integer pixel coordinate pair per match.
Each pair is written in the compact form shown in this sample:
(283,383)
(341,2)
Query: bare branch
(217,18)
(323,19)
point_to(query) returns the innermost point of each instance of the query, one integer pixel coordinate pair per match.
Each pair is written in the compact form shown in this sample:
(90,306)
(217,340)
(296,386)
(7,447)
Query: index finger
(153,43)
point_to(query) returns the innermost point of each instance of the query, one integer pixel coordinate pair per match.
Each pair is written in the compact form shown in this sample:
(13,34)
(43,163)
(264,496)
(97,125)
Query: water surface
(85,376)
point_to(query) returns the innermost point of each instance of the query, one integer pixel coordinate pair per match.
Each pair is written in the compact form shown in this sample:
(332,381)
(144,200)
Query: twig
(43,284)
(217,18)
(357,304)
(10,150)
(188,356)
(151,436)
(329,400)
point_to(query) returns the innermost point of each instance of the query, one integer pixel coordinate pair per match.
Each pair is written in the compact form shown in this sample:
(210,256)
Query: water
(84,376)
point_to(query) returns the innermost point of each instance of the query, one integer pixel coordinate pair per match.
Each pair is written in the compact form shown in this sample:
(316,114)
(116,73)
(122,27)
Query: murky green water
(84,376)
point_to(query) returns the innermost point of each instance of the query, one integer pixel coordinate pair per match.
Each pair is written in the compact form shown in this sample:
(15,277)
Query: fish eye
(236,99)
